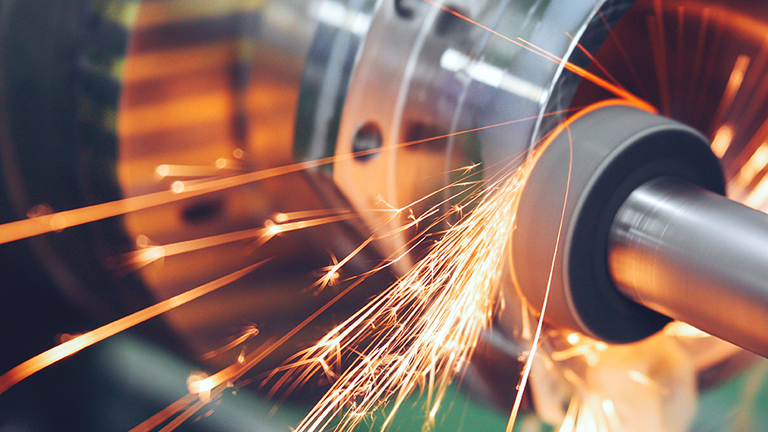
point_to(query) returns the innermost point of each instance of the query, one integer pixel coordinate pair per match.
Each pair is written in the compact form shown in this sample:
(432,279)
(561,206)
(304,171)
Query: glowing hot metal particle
(422,330)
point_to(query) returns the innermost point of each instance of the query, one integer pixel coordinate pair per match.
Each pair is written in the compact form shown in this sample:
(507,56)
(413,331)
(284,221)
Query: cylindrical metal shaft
(694,256)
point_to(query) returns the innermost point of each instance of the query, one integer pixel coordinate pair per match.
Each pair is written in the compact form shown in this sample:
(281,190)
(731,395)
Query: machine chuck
(624,221)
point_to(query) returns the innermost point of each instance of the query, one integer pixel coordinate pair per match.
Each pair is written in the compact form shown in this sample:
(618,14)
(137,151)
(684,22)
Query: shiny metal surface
(431,75)
(694,256)
(263,84)
(213,91)
(266,84)
(568,203)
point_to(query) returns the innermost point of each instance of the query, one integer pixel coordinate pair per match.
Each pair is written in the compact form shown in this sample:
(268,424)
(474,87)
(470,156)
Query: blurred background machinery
(111,99)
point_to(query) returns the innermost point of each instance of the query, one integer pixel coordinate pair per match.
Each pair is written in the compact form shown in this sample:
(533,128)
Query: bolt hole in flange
(204,211)
(368,138)
(406,9)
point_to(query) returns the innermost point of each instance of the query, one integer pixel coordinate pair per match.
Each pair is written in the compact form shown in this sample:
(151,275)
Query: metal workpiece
(694,256)
(425,77)
(623,221)
(197,91)
(568,204)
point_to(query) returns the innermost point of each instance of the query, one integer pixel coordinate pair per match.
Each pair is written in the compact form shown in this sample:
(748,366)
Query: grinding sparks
(72,346)
(248,333)
(283,223)
(522,43)
(419,334)
(45,222)
(219,167)
(422,330)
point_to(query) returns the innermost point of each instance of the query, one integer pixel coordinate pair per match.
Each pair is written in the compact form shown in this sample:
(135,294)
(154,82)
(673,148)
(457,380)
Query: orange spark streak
(597,63)
(754,165)
(54,222)
(333,270)
(169,170)
(47,358)
(722,140)
(217,381)
(285,217)
(594,79)
(184,416)
(145,256)
(625,56)
(21,229)
(589,76)
(534,344)
(757,92)
(759,194)
(425,326)
(732,88)
(423,329)
(236,371)
(249,333)
(537,335)
(158,419)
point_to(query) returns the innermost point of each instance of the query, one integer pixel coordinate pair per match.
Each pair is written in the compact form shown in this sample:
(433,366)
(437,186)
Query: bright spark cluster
(420,332)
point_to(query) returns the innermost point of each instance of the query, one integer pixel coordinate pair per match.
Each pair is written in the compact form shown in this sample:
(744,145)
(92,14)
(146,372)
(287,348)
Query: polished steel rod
(694,256)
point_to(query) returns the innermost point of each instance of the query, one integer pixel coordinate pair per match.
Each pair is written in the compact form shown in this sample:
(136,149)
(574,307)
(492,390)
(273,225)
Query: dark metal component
(448,22)
(609,152)
(694,256)
(405,9)
(367,138)
(626,210)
